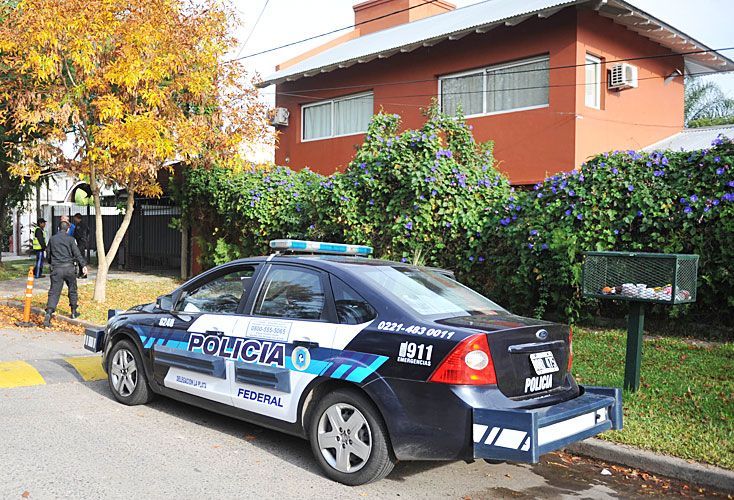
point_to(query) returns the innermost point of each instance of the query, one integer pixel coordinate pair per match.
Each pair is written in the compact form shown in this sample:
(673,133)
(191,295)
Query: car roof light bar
(320,247)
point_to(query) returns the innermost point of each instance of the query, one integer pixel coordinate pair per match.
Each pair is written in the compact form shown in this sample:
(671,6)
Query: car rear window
(427,292)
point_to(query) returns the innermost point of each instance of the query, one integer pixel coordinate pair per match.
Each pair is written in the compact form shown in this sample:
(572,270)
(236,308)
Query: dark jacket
(41,237)
(81,234)
(63,250)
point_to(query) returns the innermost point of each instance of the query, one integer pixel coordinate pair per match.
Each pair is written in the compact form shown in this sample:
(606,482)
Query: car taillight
(570,349)
(470,363)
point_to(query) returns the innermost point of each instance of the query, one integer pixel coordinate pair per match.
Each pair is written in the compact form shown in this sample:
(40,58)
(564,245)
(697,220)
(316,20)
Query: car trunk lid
(530,356)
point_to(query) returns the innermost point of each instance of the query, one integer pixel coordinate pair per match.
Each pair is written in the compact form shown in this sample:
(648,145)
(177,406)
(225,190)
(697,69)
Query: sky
(284,21)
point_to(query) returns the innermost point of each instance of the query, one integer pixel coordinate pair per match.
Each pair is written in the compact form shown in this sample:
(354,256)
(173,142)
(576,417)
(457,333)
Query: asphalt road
(68,438)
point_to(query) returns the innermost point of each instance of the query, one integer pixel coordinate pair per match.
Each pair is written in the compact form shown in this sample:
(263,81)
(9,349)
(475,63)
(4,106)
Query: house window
(336,117)
(497,89)
(592,85)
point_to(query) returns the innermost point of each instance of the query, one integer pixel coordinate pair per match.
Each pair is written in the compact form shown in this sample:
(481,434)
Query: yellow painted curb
(19,374)
(89,367)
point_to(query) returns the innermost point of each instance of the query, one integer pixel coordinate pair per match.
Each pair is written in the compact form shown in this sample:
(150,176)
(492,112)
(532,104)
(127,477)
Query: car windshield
(428,292)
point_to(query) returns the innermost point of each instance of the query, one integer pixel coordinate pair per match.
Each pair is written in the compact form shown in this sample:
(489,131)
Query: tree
(705,99)
(138,83)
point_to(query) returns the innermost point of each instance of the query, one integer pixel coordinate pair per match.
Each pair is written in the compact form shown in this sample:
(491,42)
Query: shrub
(669,202)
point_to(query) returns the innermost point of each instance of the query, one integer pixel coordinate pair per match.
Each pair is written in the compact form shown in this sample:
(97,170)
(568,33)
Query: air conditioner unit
(279,117)
(623,76)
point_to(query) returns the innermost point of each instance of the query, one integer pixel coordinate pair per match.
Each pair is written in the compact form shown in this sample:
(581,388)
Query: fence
(150,242)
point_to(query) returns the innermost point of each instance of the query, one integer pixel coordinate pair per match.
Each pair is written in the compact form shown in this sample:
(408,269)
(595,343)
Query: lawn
(121,294)
(685,405)
(10,270)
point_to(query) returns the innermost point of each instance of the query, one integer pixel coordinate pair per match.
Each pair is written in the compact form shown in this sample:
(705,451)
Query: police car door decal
(200,366)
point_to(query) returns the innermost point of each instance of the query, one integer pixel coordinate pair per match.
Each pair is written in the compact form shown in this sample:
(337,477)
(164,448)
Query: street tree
(136,84)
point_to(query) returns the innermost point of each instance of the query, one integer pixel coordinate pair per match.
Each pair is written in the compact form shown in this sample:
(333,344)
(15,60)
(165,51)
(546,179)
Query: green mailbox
(639,278)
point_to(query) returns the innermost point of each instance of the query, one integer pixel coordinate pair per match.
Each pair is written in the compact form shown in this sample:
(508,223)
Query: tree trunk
(104,259)
(3,212)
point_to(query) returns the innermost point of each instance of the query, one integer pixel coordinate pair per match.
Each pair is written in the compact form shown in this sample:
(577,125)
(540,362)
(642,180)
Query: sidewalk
(16,288)
(10,256)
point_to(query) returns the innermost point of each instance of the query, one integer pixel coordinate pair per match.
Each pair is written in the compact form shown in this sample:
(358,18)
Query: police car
(372,361)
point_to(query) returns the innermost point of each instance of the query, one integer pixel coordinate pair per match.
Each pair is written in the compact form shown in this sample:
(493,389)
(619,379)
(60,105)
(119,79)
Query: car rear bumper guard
(525,435)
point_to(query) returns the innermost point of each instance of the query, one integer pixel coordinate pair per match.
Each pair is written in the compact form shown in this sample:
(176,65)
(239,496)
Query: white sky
(284,21)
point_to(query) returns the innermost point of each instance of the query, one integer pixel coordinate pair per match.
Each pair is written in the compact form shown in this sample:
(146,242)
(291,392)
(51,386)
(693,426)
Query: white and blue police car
(372,361)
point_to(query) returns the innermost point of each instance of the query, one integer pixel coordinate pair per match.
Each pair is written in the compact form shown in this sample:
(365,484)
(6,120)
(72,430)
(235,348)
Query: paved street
(67,437)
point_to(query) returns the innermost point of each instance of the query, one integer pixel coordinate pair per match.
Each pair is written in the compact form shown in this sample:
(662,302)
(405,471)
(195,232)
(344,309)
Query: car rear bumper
(524,435)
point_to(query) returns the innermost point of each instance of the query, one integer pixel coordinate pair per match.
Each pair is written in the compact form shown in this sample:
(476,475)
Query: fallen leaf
(26,494)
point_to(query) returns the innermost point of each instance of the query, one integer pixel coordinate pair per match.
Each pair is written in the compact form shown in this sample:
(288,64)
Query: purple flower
(434,192)
(408,225)
(658,173)
(730,184)
(540,195)
(371,202)
(639,213)
(505,221)
(448,224)
(719,171)
(615,171)
(688,210)
(706,209)
(544,246)
(630,188)
(568,212)
(580,216)
(311,226)
(481,259)
(403,260)
(471,258)
(717,159)
(443,153)
(534,232)
(664,161)
(694,198)
(530,245)
(683,201)
(616,231)
(715,202)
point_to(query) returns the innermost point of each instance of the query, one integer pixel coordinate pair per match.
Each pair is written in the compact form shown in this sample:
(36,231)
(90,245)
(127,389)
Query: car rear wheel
(349,439)
(126,375)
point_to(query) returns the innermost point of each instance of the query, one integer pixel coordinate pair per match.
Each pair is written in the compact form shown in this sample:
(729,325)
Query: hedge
(433,196)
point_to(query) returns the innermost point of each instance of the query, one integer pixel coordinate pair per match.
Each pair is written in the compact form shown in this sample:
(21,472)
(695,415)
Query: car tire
(126,375)
(349,439)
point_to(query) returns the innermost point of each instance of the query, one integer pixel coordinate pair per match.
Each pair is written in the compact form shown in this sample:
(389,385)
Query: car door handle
(305,343)
(218,333)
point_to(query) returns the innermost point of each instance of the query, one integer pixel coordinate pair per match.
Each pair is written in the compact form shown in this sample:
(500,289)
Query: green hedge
(433,196)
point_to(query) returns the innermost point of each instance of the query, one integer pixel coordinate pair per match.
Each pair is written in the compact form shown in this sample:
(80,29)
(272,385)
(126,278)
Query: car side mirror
(164,302)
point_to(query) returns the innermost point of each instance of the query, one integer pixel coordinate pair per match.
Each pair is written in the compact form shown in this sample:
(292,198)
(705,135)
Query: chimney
(407,11)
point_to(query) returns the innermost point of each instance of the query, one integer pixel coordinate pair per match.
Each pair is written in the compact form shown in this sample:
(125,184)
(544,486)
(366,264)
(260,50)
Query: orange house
(550,82)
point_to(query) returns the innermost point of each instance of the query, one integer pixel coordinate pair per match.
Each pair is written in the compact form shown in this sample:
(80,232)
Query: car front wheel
(126,375)
(349,439)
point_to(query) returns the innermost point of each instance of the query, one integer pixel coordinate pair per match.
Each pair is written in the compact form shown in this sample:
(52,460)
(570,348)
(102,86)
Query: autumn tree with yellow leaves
(136,84)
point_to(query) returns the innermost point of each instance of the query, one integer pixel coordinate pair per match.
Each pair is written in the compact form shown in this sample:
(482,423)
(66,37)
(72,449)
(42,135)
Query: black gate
(150,241)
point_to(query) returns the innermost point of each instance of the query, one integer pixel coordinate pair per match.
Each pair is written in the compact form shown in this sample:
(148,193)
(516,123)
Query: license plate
(543,362)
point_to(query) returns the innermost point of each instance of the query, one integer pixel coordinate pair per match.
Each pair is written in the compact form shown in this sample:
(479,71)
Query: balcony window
(336,117)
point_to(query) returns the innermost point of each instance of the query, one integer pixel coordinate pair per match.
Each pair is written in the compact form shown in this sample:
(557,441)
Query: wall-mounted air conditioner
(279,117)
(623,76)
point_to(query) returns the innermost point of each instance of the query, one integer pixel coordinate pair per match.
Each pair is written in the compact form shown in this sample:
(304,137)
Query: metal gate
(150,241)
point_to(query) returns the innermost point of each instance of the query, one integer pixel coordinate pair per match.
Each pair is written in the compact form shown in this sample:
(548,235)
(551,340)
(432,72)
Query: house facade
(550,82)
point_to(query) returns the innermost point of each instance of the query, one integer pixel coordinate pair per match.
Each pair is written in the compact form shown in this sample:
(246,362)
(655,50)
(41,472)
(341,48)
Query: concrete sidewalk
(16,288)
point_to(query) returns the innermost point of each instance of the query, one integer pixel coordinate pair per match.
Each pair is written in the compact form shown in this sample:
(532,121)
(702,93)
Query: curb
(664,465)
(38,310)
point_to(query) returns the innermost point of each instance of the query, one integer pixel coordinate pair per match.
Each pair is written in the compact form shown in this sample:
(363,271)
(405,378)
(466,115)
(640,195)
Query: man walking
(81,235)
(39,247)
(62,254)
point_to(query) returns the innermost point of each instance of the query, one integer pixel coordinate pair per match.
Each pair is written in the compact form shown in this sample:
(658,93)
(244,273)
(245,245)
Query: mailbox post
(639,278)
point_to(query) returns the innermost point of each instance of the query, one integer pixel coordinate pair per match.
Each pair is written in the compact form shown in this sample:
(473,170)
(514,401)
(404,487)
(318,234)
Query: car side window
(351,308)
(221,295)
(291,292)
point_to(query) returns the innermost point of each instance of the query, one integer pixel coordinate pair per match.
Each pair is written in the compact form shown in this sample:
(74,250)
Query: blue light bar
(320,247)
